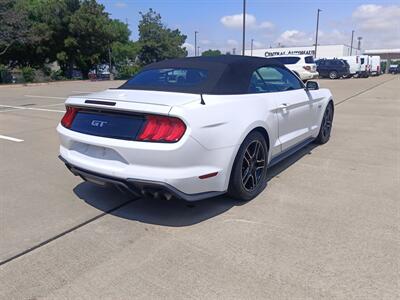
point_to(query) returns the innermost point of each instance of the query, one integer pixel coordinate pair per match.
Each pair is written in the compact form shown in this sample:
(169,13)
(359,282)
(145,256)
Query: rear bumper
(138,187)
(177,166)
(309,75)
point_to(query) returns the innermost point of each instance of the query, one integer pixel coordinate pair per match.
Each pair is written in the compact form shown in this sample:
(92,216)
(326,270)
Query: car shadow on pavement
(172,213)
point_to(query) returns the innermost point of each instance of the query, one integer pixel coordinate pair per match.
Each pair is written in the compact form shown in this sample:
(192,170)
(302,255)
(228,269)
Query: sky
(269,22)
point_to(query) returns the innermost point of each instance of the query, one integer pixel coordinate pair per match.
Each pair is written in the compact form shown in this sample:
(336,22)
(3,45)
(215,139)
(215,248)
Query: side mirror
(312,85)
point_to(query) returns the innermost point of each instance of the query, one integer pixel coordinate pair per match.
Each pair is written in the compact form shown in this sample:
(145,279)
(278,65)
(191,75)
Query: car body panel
(298,67)
(216,126)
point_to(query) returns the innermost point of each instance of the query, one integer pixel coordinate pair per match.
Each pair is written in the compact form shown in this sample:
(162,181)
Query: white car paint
(375,65)
(214,134)
(354,62)
(305,71)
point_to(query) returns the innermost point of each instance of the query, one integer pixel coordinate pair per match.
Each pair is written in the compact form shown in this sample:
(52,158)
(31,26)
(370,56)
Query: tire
(249,171)
(333,74)
(326,125)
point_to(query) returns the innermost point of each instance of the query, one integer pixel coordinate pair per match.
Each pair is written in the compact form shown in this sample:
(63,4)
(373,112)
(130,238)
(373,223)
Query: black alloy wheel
(253,165)
(326,125)
(248,176)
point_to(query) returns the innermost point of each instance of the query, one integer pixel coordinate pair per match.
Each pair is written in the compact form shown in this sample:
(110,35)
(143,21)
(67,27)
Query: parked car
(333,68)
(375,65)
(214,130)
(394,69)
(100,72)
(302,65)
(354,64)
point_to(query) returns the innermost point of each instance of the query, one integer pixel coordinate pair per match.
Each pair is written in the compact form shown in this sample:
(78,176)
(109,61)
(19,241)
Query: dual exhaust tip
(156,194)
(145,192)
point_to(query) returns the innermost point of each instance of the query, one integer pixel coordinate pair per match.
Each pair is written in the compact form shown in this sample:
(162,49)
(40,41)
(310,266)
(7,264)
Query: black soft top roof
(227,74)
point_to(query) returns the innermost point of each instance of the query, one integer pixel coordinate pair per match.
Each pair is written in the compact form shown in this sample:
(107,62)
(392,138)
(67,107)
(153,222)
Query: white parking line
(13,108)
(47,97)
(9,138)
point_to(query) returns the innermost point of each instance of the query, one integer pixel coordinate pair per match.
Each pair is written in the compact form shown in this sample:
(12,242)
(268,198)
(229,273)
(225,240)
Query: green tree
(211,52)
(14,26)
(157,42)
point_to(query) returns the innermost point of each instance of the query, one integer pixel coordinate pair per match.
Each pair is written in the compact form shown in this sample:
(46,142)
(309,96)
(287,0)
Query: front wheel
(326,125)
(248,177)
(333,74)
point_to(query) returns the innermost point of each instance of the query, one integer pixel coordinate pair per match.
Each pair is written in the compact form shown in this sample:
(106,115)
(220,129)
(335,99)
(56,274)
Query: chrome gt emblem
(97,123)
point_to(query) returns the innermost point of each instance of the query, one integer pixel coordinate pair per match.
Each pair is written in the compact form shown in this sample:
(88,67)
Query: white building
(323,51)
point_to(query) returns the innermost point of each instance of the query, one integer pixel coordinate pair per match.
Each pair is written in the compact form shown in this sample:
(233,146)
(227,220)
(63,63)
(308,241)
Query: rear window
(286,60)
(179,77)
(309,59)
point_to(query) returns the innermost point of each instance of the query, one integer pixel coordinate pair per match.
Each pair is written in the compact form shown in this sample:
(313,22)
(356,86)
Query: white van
(365,70)
(375,65)
(354,63)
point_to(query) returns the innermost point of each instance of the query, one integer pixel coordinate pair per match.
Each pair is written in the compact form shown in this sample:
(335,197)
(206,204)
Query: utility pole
(195,43)
(251,47)
(244,27)
(351,45)
(198,50)
(316,33)
(233,51)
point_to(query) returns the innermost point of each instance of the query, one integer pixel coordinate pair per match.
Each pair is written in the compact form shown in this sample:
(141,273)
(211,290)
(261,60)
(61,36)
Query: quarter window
(309,59)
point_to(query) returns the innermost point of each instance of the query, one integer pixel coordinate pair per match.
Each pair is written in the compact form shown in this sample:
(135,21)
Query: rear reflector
(162,129)
(69,116)
(208,175)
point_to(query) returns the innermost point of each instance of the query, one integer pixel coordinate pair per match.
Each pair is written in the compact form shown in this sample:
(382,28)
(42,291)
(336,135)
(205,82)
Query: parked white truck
(365,70)
(375,65)
(354,63)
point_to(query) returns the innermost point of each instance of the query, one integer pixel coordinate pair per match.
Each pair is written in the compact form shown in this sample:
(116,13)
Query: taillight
(308,68)
(69,117)
(162,129)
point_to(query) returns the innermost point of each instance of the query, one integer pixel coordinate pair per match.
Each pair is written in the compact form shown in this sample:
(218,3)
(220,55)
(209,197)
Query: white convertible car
(194,128)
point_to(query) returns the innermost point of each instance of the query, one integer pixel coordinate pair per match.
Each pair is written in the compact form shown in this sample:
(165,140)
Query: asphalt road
(327,226)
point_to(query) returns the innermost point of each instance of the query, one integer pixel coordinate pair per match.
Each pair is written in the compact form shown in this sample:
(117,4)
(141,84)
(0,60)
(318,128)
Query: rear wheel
(248,177)
(326,125)
(333,74)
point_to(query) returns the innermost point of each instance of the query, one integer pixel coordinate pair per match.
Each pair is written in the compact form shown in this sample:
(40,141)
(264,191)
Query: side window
(257,85)
(278,79)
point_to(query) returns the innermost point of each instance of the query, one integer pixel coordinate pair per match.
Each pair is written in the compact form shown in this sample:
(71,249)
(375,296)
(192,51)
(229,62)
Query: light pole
(198,50)
(244,27)
(195,43)
(359,42)
(251,47)
(351,45)
(316,33)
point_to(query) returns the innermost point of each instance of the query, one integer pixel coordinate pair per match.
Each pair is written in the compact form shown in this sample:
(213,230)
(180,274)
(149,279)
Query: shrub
(57,75)
(127,71)
(28,74)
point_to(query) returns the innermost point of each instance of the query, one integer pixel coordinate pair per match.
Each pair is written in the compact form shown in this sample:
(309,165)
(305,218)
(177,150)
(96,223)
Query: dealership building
(323,51)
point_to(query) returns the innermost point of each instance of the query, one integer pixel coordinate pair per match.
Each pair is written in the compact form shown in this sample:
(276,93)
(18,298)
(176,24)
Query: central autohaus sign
(286,52)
